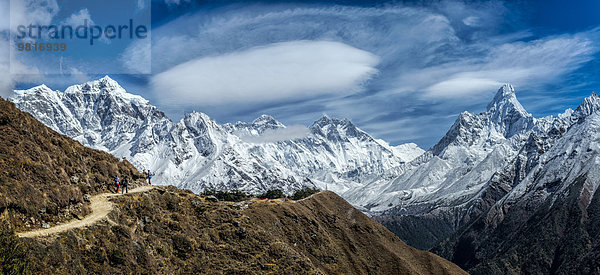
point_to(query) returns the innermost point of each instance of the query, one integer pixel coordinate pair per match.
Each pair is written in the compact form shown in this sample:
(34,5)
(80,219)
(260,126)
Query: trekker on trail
(125,184)
(117,183)
(149,177)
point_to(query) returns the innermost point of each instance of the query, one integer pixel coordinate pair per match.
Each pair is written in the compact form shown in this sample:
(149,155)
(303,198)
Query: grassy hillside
(45,177)
(169,230)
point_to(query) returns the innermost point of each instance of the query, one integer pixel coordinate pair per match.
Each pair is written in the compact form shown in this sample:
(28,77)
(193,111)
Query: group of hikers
(124,184)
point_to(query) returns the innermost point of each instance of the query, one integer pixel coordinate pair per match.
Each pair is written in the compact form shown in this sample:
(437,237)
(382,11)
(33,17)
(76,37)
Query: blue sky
(399,70)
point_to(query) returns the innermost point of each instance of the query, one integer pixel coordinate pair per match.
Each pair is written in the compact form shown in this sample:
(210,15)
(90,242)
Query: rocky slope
(45,177)
(197,153)
(540,213)
(173,231)
(452,184)
(437,193)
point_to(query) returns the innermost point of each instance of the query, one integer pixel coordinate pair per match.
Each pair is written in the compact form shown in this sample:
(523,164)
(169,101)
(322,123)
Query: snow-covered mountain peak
(507,114)
(106,81)
(40,89)
(473,136)
(326,121)
(266,122)
(590,105)
(505,102)
(105,88)
(198,117)
(202,120)
(103,84)
(337,129)
(254,128)
(35,93)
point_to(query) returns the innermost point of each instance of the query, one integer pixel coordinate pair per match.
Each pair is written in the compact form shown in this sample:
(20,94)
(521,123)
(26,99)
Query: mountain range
(499,186)
(197,153)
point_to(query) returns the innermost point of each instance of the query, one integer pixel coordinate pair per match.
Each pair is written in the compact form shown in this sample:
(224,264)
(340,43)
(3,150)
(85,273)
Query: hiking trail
(100,206)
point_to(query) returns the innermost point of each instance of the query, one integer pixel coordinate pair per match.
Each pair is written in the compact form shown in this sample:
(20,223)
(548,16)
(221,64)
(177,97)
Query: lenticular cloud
(277,71)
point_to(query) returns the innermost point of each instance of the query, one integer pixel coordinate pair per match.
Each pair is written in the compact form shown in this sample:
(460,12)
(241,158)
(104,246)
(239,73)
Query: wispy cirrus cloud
(434,61)
(521,63)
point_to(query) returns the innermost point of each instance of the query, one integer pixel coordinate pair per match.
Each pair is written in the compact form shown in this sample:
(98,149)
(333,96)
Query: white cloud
(530,63)
(78,76)
(79,18)
(279,134)
(291,70)
(461,86)
(38,12)
(472,21)
(394,32)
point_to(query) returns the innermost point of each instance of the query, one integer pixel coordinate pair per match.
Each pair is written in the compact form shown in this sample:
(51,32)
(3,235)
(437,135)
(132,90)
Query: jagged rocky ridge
(540,213)
(510,193)
(197,153)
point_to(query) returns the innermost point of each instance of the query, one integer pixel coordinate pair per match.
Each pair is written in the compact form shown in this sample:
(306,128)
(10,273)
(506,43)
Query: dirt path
(100,206)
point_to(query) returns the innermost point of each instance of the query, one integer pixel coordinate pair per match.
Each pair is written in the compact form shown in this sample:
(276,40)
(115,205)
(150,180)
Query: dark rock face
(537,213)
(559,236)
(540,213)
(430,229)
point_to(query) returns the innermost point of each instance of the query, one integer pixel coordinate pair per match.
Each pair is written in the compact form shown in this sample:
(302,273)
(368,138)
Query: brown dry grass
(45,175)
(339,239)
(171,231)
